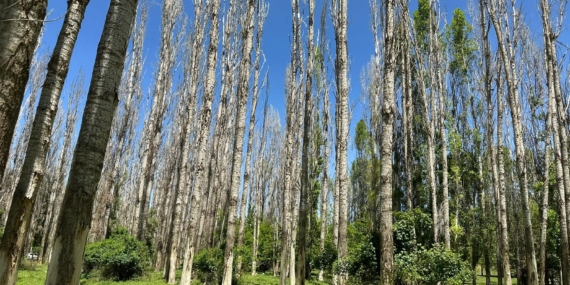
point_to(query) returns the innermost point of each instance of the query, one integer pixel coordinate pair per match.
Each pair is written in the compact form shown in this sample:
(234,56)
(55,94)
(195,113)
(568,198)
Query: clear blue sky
(276,41)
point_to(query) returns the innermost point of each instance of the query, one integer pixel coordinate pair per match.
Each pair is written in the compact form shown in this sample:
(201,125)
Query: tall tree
(242,98)
(20,25)
(260,14)
(506,42)
(34,164)
(305,183)
(75,218)
(386,151)
(340,23)
(169,47)
(556,125)
(204,119)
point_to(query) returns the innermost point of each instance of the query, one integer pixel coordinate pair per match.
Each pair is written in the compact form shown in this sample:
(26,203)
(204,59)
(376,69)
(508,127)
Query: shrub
(209,265)
(431,266)
(360,264)
(121,257)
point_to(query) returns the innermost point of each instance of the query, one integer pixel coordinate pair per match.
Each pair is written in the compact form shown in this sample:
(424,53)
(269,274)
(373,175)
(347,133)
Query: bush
(121,257)
(431,266)
(209,265)
(360,264)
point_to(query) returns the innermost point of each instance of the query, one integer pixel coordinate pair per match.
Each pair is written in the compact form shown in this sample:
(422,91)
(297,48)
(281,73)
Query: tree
(204,119)
(169,47)
(242,98)
(305,183)
(20,25)
(34,165)
(75,218)
(505,37)
(388,113)
(340,23)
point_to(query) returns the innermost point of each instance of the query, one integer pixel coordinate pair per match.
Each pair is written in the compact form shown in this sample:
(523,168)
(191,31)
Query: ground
(32,274)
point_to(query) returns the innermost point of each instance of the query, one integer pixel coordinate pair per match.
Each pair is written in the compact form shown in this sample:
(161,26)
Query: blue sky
(276,40)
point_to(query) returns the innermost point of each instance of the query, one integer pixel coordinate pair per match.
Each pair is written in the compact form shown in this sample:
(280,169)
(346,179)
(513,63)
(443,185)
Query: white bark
(75,217)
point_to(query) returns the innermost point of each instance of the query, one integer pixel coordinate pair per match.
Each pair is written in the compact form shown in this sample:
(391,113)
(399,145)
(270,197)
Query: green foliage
(209,265)
(421,22)
(411,228)
(431,266)
(324,259)
(121,257)
(462,46)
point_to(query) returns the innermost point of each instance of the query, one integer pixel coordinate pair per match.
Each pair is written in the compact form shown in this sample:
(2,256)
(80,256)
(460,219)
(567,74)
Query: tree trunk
(388,114)
(242,98)
(507,58)
(305,183)
(171,10)
(544,206)
(33,169)
(20,25)
(75,218)
(201,142)
(340,22)
(505,252)
(260,16)
(557,124)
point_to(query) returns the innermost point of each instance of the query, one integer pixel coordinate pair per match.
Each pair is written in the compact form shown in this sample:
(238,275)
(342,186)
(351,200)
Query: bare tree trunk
(505,252)
(201,141)
(75,217)
(544,206)
(407,117)
(287,237)
(171,10)
(558,125)
(20,25)
(340,22)
(65,158)
(122,136)
(305,188)
(34,164)
(242,98)
(555,127)
(388,113)
(507,56)
(327,142)
(260,15)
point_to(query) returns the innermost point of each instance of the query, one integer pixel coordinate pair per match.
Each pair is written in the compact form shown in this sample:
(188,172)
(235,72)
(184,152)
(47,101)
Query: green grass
(269,279)
(481,280)
(33,274)
(36,274)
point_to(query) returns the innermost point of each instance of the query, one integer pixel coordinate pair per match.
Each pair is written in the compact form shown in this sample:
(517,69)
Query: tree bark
(20,25)
(201,141)
(340,25)
(388,114)
(260,16)
(33,169)
(75,218)
(305,183)
(505,252)
(242,98)
(507,57)
(171,10)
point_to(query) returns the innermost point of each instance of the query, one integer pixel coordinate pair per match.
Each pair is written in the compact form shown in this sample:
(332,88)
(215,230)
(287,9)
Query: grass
(481,280)
(33,274)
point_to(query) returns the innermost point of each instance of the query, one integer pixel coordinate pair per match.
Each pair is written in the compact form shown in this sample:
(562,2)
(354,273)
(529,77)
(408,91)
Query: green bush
(431,266)
(360,264)
(121,257)
(209,265)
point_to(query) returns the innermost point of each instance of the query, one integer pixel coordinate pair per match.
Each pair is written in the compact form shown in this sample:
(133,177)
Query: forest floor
(32,274)
(35,275)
